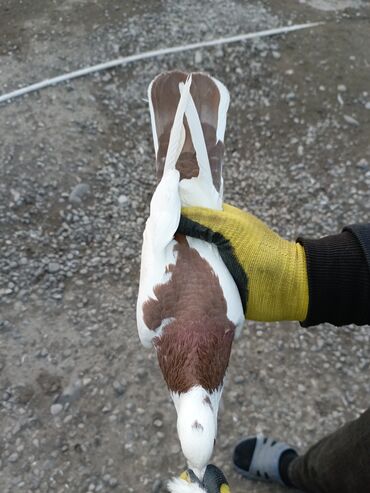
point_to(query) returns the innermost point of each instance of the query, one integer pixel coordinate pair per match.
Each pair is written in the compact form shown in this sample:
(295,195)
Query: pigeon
(189,307)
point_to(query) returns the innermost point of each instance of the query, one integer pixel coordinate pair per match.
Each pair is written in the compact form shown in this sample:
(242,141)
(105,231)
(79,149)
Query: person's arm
(338,270)
(312,281)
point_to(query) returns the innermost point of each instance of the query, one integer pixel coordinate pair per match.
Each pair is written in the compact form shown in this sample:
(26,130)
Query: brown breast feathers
(194,348)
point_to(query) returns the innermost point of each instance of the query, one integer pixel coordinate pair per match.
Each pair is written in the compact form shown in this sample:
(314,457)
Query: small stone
(106,77)
(123,200)
(367,105)
(15,194)
(351,120)
(219,52)
(49,383)
(141,373)
(5,291)
(23,393)
(175,449)
(363,164)
(198,57)
(6,396)
(68,419)
(78,193)
(107,408)
(13,457)
(43,352)
(341,88)
(56,409)
(53,267)
(158,423)
(113,482)
(276,55)
(118,388)
(157,486)
(239,379)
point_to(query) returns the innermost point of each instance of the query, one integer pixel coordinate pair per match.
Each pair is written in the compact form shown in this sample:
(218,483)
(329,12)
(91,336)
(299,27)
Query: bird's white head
(197,412)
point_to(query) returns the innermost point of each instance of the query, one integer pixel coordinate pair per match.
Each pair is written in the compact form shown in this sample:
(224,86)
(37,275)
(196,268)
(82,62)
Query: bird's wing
(158,249)
(165,209)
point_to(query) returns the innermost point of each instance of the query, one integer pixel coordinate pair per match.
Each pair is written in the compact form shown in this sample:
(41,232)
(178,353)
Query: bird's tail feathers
(188,115)
(177,134)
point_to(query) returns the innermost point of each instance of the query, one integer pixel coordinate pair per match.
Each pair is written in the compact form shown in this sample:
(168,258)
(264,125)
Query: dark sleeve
(338,269)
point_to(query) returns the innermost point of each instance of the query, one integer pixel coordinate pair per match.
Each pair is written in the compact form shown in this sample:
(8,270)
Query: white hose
(150,54)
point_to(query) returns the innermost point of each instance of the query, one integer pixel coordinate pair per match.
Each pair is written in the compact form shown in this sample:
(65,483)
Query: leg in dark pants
(339,463)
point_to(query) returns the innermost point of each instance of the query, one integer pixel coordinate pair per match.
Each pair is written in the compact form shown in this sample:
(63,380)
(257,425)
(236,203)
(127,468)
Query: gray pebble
(79,192)
(55,409)
(107,408)
(198,57)
(157,486)
(6,396)
(13,457)
(239,379)
(123,200)
(363,164)
(53,267)
(118,388)
(351,120)
(113,482)
(43,353)
(175,449)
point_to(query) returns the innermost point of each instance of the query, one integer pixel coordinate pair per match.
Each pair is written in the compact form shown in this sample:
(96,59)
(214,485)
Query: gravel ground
(82,404)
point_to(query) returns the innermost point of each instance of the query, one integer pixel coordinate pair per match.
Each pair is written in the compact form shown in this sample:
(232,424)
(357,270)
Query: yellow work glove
(214,480)
(270,272)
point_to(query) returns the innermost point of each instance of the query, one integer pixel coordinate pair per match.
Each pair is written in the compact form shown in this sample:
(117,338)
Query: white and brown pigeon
(189,307)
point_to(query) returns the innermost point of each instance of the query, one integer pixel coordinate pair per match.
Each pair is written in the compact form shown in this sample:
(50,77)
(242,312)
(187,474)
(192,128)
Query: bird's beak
(214,480)
(189,476)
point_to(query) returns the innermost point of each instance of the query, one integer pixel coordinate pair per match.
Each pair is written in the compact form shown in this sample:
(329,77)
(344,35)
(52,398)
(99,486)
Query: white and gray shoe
(259,458)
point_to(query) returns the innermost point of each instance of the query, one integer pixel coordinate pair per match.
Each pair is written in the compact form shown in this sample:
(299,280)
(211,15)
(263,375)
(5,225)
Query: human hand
(270,272)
